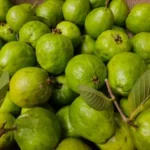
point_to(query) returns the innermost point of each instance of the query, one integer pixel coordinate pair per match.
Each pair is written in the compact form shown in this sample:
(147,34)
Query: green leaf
(139,94)
(4,85)
(94,98)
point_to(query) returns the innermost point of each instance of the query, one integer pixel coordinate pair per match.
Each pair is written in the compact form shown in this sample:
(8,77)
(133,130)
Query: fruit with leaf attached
(85,69)
(122,140)
(96,126)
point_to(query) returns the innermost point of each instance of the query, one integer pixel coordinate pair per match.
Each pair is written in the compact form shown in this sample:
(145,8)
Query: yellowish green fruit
(123,71)
(53,51)
(122,140)
(70,30)
(98,20)
(73,144)
(18,15)
(111,42)
(31,31)
(6,33)
(5,5)
(66,127)
(141,45)
(87,45)
(85,69)
(141,134)
(7,139)
(124,104)
(76,11)
(37,129)
(120,11)
(15,55)
(50,12)
(97,3)
(62,94)
(8,106)
(138,19)
(29,87)
(96,126)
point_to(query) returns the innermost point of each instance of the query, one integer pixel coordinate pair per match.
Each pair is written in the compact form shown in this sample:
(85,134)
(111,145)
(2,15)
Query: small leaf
(94,98)
(4,85)
(139,94)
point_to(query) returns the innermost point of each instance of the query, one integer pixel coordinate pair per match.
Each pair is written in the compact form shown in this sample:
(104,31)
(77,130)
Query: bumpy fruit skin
(66,126)
(141,45)
(76,11)
(32,30)
(53,51)
(123,71)
(110,43)
(85,69)
(122,140)
(73,144)
(38,129)
(96,126)
(50,12)
(141,135)
(98,20)
(7,139)
(29,87)
(138,19)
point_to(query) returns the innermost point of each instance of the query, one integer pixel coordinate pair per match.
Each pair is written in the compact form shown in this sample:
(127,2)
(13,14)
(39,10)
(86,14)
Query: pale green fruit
(66,127)
(120,11)
(122,140)
(141,134)
(8,106)
(37,129)
(96,126)
(121,74)
(72,144)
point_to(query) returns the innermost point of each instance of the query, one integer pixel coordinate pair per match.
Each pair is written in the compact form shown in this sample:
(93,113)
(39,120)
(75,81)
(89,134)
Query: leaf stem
(124,118)
(3,130)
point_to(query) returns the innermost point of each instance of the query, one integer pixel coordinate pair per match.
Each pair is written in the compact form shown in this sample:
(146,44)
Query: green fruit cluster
(50,52)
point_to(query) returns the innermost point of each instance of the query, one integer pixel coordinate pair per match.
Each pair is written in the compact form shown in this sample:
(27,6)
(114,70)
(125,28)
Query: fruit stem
(54,31)
(106,3)
(124,118)
(3,130)
(34,4)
